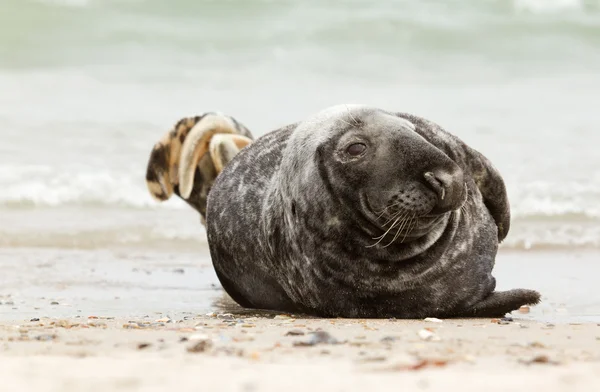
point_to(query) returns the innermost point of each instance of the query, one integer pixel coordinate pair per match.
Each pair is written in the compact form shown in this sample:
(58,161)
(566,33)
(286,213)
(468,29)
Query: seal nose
(448,187)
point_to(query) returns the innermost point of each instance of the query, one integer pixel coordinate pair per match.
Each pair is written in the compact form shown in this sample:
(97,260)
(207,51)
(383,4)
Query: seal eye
(356,149)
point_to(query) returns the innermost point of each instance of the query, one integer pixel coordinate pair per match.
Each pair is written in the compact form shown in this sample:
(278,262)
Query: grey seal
(362,213)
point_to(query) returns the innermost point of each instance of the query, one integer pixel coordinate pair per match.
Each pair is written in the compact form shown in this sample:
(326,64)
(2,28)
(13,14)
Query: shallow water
(132,283)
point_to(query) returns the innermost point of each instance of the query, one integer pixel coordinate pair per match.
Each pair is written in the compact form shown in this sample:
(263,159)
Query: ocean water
(88,86)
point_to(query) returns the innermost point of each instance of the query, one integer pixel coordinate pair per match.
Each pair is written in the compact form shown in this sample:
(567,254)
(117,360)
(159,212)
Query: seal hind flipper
(498,303)
(188,158)
(223,147)
(197,144)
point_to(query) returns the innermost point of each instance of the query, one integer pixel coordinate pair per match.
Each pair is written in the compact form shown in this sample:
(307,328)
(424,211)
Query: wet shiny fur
(408,229)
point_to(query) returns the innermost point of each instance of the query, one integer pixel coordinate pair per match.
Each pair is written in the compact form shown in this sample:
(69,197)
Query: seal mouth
(404,225)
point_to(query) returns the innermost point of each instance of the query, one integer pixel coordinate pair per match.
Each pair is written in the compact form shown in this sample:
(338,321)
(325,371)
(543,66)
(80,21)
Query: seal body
(360,212)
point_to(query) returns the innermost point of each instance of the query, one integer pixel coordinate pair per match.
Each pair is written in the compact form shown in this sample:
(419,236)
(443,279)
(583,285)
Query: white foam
(547,6)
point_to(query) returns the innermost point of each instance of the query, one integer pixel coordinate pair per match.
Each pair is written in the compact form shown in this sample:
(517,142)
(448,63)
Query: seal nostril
(437,184)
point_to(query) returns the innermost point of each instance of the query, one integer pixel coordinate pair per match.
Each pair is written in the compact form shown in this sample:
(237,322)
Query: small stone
(427,335)
(35,319)
(226,316)
(163,320)
(433,320)
(541,359)
(46,338)
(142,346)
(54,303)
(524,309)
(318,337)
(92,317)
(200,346)
(295,332)
(537,345)
(388,339)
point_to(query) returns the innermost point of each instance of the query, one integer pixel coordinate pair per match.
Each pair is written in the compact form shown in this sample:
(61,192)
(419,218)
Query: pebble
(427,335)
(200,346)
(542,359)
(163,320)
(54,303)
(46,338)
(295,332)
(35,319)
(537,345)
(318,337)
(226,316)
(524,309)
(142,346)
(433,320)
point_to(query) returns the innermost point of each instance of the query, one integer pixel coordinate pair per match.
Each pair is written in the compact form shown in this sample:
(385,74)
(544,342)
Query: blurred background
(88,86)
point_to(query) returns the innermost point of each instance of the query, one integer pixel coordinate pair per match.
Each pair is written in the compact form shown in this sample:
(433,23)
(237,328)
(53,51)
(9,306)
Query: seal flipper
(492,188)
(498,303)
(187,159)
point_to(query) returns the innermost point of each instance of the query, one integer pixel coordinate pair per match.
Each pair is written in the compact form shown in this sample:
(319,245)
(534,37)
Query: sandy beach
(127,320)
(225,352)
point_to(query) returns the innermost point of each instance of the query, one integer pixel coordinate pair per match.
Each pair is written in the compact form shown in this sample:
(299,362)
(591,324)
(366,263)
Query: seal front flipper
(498,303)
(187,159)
(492,188)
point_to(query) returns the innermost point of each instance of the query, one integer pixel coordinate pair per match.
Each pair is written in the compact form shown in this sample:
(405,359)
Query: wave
(42,186)
(38,186)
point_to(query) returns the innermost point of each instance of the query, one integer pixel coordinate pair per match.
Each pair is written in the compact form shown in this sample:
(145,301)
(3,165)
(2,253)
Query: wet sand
(129,320)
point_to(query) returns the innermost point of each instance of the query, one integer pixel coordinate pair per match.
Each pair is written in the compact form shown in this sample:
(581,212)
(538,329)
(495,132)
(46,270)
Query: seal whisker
(413,224)
(400,230)
(402,213)
(388,207)
(352,117)
(344,121)
(380,238)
